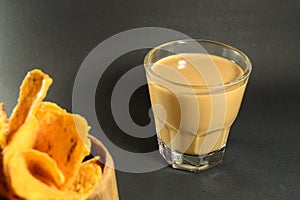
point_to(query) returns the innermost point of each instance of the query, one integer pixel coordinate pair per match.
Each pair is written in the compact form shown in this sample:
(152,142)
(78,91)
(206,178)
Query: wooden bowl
(107,187)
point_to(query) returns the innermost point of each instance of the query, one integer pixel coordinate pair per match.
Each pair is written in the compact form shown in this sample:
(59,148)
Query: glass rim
(245,75)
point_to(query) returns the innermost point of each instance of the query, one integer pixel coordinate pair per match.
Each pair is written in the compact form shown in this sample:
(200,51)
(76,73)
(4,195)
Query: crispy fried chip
(3,133)
(3,185)
(58,137)
(25,185)
(83,130)
(42,148)
(23,139)
(43,167)
(32,91)
(3,126)
(87,179)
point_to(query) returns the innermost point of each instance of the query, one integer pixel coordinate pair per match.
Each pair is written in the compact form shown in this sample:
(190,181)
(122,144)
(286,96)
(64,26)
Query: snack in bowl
(43,150)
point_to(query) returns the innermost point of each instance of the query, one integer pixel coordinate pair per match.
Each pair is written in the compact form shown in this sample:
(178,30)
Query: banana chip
(25,185)
(88,178)
(3,126)
(32,91)
(4,191)
(43,166)
(43,147)
(58,136)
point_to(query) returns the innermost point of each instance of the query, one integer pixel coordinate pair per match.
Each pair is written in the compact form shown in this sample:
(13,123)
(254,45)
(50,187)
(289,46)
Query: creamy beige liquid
(195,120)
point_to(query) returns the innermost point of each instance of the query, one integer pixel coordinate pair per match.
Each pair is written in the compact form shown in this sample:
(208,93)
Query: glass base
(193,163)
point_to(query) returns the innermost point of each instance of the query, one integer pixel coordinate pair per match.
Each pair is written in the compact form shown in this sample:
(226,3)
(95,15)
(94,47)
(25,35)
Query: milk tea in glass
(196,88)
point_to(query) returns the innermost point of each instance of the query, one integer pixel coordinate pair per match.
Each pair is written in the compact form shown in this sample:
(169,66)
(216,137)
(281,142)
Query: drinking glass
(193,120)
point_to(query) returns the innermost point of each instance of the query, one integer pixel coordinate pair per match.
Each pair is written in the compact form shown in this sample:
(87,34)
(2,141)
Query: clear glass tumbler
(196,89)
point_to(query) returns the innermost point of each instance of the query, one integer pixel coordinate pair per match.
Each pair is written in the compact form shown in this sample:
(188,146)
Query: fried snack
(32,91)
(3,126)
(58,137)
(41,165)
(3,133)
(27,186)
(87,179)
(22,140)
(43,147)
(83,130)
(4,191)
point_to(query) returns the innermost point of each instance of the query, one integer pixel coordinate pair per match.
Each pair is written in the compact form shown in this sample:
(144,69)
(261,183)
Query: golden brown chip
(58,137)
(3,185)
(4,192)
(3,126)
(26,186)
(42,148)
(32,91)
(42,166)
(87,179)
(23,139)
(83,131)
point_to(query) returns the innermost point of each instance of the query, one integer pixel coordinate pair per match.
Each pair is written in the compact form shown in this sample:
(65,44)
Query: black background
(262,159)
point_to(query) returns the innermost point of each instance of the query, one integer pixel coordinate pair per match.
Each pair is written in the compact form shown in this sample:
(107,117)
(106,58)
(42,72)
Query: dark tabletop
(262,158)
